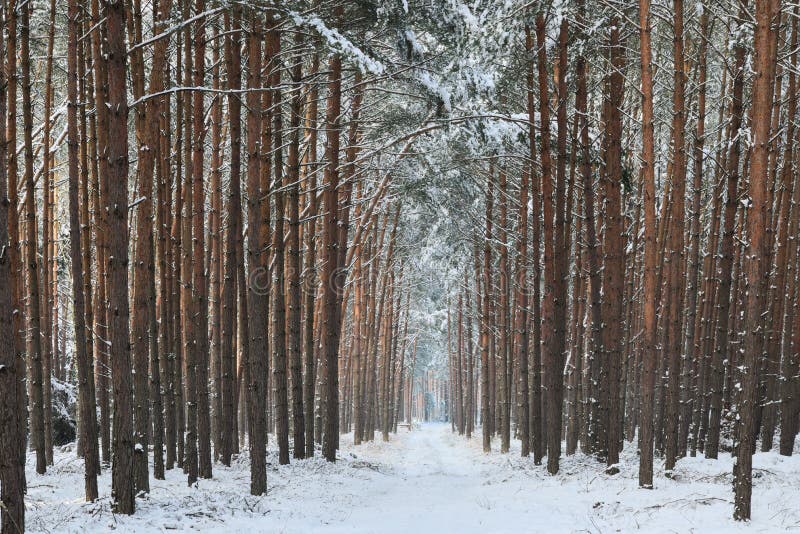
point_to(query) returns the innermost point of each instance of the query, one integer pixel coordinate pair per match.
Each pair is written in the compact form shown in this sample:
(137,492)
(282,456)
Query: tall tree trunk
(673,304)
(177,230)
(649,354)
(143,252)
(613,248)
(554,311)
(168,268)
(330,278)
(295,346)
(520,320)
(592,253)
(122,488)
(698,319)
(187,302)
(12,471)
(34,341)
(100,187)
(86,406)
(215,231)
(501,355)
(233,209)
(199,277)
(279,370)
(310,260)
(534,361)
(724,293)
(486,422)
(86,134)
(158,337)
(49,310)
(15,256)
(470,403)
(258,267)
(767,15)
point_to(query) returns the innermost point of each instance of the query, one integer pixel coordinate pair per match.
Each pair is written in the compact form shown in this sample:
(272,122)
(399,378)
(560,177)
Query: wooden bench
(405,425)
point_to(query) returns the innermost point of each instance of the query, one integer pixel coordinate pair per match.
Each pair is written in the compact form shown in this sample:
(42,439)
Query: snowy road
(426,480)
(439,488)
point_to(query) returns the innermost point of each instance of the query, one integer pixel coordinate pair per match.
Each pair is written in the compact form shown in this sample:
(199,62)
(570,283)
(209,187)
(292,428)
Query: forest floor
(427,480)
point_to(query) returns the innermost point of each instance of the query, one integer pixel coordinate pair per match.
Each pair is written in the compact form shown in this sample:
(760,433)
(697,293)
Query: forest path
(441,483)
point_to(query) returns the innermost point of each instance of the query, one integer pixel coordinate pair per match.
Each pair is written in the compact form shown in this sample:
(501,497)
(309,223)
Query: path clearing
(441,486)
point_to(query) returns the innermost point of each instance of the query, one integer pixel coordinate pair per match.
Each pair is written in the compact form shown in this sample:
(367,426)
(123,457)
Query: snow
(470,20)
(427,480)
(413,42)
(432,85)
(340,43)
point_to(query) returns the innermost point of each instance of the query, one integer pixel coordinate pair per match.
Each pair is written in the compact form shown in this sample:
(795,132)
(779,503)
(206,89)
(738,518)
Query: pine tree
(117,208)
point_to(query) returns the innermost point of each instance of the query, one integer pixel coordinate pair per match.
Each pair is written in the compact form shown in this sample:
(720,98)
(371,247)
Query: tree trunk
(187,302)
(199,277)
(86,406)
(501,355)
(12,471)
(310,260)
(486,422)
(233,208)
(724,293)
(258,267)
(520,320)
(122,487)
(279,370)
(649,354)
(331,277)
(767,12)
(295,346)
(215,234)
(613,248)
(142,264)
(49,309)
(34,341)
(673,304)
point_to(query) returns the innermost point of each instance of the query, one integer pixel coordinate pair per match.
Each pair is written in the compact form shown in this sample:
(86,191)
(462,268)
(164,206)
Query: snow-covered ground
(427,480)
